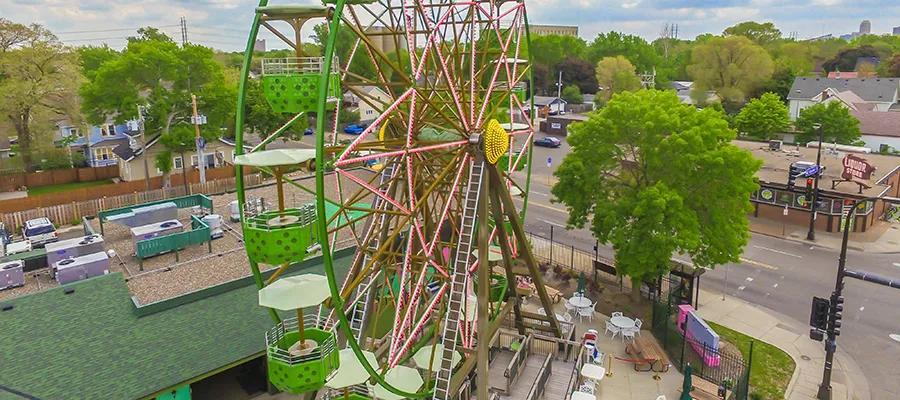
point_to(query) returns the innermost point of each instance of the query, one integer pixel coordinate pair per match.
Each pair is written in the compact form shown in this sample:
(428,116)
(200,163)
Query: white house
(858,94)
(371,100)
(550,105)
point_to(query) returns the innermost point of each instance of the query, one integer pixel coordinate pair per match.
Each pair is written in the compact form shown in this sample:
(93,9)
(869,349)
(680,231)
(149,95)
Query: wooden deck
(555,388)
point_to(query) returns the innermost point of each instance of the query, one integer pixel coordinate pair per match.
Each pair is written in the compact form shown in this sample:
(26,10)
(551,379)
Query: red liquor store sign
(856,168)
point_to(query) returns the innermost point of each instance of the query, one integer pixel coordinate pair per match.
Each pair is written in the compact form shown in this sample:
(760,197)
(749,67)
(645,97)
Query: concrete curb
(808,243)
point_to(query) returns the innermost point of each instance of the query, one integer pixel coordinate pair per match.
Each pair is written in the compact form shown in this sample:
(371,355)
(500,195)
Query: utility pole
(140,123)
(559,86)
(197,120)
(813,210)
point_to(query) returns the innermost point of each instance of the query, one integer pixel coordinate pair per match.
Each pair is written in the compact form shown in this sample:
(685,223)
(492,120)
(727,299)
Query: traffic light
(797,169)
(837,312)
(818,317)
(809,190)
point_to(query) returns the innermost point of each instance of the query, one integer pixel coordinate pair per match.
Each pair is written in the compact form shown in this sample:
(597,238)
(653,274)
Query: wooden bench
(555,295)
(649,353)
(704,389)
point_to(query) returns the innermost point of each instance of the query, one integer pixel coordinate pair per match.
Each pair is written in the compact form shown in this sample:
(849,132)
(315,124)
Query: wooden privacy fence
(74,211)
(13,181)
(94,192)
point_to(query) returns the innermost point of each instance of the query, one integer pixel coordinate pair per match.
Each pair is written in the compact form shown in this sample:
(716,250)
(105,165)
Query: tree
(654,177)
(155,72)
(616,74)
(761,33)
(39,80)
(92,57)
(580,73)
(893,66)
(838,126)
(259,117)
(731,66)
(572,95)
(845,60)
(163,163)
(640,53)
(549,53)
(764,117)
(180,139)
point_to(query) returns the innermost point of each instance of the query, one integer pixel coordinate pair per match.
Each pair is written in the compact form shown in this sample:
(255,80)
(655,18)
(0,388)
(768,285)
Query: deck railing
(517,363)
(576,373)
(540,384)
(275,334)
(295,65)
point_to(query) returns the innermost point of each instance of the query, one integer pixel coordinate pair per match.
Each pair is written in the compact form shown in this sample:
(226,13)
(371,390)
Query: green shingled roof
(94,343)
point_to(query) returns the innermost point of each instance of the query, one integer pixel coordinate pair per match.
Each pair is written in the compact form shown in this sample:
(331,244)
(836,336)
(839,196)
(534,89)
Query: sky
(223,24)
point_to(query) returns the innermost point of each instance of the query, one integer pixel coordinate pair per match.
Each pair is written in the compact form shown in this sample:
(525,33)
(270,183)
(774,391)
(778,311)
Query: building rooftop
(776,164)
(96,344)
(878,123)
(869,89)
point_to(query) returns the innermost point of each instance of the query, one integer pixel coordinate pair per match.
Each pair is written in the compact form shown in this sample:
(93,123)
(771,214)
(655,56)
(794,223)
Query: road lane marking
(759,264)
(897,264)
(548,207)
(741,287)
(540,194)
(749,279)
(552,223)
(863,308)
(775,286)
(777,251)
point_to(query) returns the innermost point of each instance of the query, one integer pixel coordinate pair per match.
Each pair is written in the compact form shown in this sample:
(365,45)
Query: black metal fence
(732,371)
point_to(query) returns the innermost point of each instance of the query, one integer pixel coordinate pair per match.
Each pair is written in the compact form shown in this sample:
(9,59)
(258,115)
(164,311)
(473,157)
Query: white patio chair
(587,387)
(612,329)
(616,314)
(570,309)
(637,325)
(627,334)
(586,312)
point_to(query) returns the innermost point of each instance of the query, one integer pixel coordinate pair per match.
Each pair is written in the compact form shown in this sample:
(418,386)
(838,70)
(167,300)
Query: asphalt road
(778,275)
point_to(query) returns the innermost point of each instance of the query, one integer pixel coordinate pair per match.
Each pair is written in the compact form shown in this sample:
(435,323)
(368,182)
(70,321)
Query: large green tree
(615,74)
(764,117)
(654,177)
(572,95)
(838,126)
(641,54)
(580,73)
(156,72)
(39,80)
(548,53)
(761,33)
(732,66)
(846,59)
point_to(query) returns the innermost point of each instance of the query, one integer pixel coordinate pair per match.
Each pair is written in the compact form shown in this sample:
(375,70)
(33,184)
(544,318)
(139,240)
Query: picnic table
(650,354)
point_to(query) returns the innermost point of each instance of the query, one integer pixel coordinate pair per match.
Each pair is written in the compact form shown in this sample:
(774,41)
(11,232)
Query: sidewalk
(882,237)
(848,383)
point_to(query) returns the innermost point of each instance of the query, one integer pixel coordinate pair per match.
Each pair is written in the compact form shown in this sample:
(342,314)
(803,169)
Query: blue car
(309,131)
(548,141)
(354,129)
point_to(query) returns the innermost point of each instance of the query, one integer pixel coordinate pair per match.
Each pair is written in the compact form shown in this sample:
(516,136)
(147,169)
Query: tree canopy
(838,126)
(761,33)
(731,66)
(39,79)
(640,53)
(616,74)
(654,177)
(580,73)
(572,95)
(764,117)
(846,59)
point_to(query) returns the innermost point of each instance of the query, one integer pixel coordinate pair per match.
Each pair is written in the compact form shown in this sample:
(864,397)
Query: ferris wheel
(431,192)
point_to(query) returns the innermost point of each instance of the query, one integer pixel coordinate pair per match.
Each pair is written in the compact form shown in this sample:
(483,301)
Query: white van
(39,231)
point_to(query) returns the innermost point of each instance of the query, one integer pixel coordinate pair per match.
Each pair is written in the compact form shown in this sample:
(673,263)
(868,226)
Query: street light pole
(811,235)
(201,160)
(144,154)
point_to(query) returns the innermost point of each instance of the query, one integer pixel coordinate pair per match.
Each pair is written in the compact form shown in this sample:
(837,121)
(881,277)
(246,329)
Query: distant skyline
(223,24)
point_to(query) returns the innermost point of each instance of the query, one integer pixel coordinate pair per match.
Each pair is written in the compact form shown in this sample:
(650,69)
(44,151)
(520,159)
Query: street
(779,275)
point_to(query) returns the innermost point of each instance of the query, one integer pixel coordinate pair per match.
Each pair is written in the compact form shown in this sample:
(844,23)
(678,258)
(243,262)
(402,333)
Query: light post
(813,210)
(197,120)
(137,125)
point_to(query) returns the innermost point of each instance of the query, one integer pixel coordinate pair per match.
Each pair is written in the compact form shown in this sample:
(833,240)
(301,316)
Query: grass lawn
(772,368)
(62,187)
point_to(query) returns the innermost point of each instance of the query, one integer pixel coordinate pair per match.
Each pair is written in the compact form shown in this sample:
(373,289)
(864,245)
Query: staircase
(359,310)
(458,284)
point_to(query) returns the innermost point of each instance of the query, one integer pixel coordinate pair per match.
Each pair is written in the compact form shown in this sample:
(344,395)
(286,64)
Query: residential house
(96,142)
(217,153)
(547,105)
(371,101)
(866,94)
(880,130)
(683,91)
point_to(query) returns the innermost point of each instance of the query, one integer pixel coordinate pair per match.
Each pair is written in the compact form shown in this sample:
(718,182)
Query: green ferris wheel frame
(323,88)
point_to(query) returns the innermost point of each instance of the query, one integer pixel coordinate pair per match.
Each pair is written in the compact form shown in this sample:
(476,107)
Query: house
(369,100)
(547,105)
(217,153)
(869,94)
(839,74)
(589,102)
(880,130)
(96,142)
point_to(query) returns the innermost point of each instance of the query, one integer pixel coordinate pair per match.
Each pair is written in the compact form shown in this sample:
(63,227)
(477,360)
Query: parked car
(5,235)
(39,231)
(548,141)
(354,129)
(309,131)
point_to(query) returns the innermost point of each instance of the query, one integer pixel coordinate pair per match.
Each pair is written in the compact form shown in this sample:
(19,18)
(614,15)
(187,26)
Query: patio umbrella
(278,160)
(404,378)
(423,358)
(295,292)
(351,371)
(581,283)
(687,385)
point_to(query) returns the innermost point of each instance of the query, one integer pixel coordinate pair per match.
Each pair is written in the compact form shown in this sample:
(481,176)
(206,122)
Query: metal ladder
(458,285)
(359,310)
